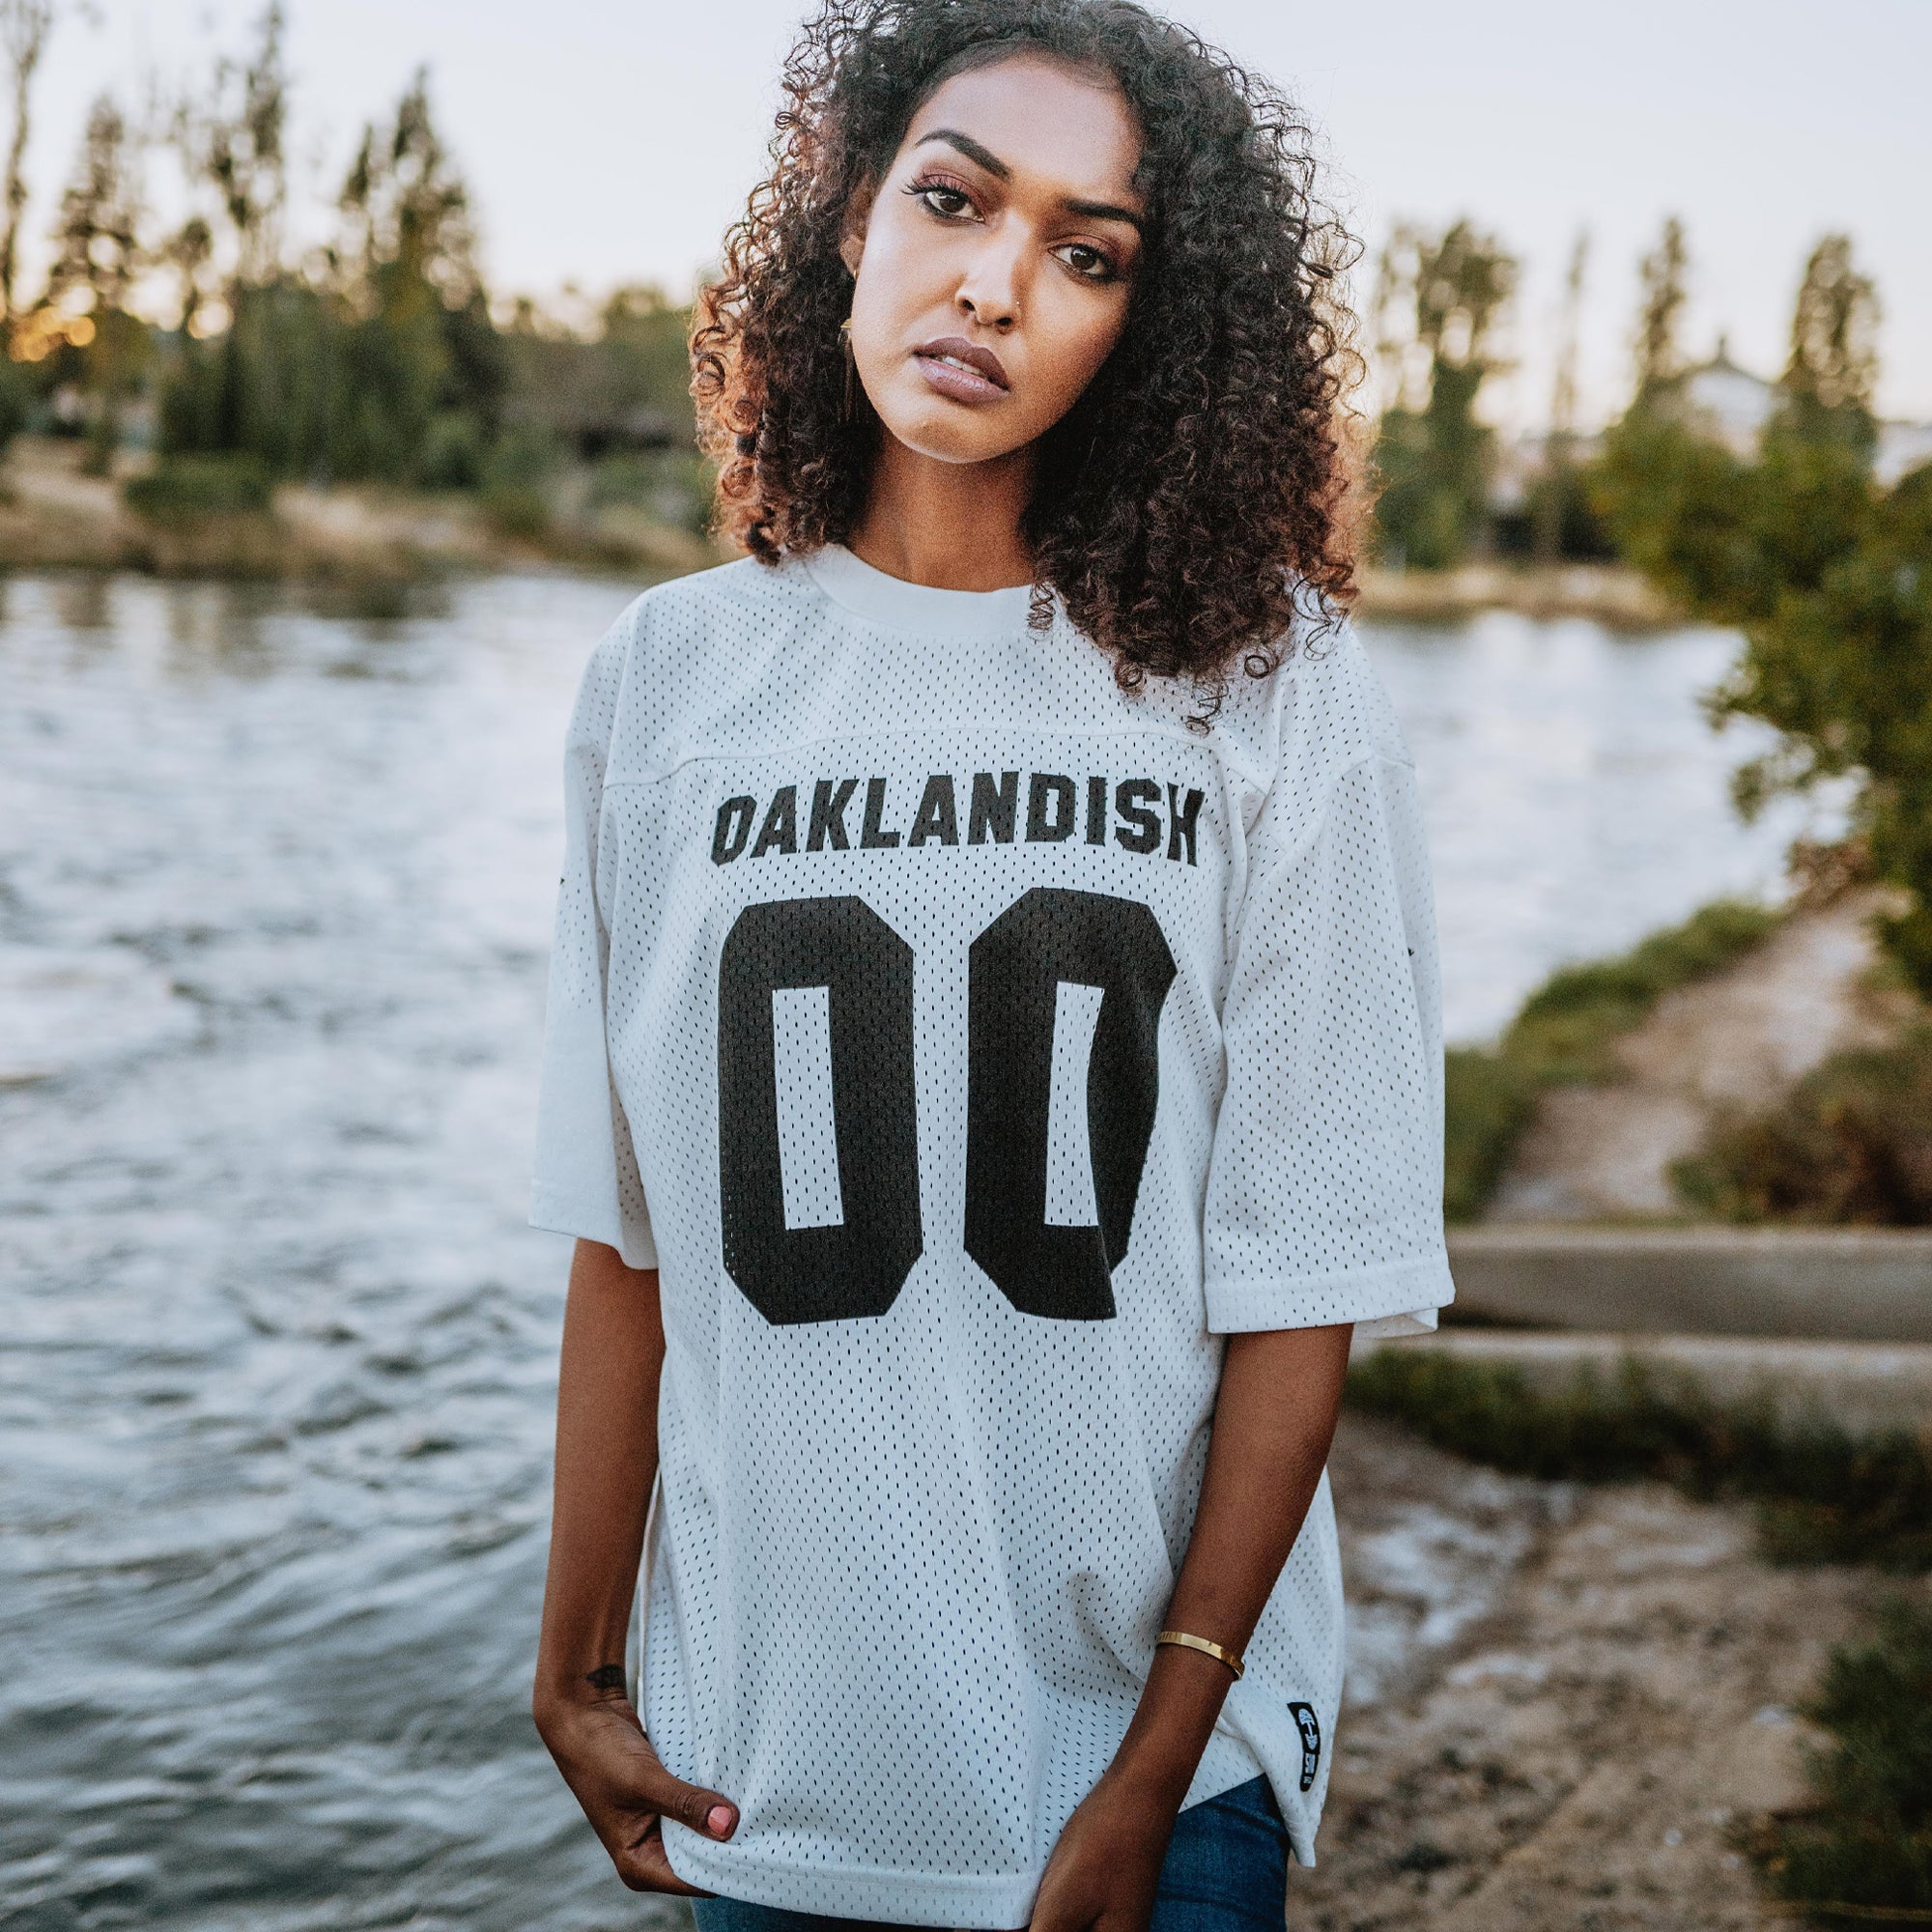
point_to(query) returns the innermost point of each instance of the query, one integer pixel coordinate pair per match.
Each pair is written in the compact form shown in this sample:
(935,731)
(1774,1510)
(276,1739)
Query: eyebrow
(984,156)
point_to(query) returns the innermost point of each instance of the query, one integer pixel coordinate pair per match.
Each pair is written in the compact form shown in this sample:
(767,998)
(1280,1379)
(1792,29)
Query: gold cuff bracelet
(1188,1640)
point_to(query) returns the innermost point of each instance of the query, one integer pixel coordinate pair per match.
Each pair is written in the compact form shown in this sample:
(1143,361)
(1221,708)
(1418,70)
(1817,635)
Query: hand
(1106,1870)
(626,1792)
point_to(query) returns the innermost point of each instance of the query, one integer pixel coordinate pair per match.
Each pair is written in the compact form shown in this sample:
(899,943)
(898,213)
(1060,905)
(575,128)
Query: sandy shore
(1563,1702)
(54,517)
(1608,592)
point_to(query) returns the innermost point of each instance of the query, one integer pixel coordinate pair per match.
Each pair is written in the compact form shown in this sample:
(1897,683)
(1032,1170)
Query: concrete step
(1825,1284)
(1859,1385)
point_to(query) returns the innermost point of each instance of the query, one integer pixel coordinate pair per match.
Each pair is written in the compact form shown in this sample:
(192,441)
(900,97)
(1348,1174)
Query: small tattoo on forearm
(607,1677)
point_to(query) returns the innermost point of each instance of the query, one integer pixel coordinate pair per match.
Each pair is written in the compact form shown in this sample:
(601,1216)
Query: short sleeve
(586,1182)
(1325,1190)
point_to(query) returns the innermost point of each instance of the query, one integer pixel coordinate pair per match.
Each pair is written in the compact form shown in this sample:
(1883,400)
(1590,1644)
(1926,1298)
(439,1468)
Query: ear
(858,216)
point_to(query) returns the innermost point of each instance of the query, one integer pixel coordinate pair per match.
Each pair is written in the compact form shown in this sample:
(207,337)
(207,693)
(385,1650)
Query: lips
(961,369)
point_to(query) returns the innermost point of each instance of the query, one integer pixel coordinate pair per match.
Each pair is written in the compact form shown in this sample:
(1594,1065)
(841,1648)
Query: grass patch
(1489,1100)
(1869,1845)
(1823,1495)
(1851,1146)
(1565,1034)
(196,489)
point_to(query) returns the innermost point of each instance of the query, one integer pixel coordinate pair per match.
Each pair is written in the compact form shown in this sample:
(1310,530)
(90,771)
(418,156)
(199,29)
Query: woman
(992,1061)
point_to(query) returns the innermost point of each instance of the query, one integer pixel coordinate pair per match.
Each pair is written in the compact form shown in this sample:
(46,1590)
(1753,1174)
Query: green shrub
(193,489)
(670,486)
(517,482)
(452,453)
(1823,1494)
(1870,1842)
(1565,1034)
(1851,1145)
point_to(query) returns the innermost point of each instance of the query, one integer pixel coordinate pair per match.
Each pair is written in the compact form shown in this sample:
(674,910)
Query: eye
(1089,263)
(946,199)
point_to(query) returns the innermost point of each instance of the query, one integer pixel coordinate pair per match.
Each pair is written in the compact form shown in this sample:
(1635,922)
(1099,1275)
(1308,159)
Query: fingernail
(718,1820)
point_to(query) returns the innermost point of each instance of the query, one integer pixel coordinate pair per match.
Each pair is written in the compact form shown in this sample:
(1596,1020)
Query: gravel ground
(1563,1701)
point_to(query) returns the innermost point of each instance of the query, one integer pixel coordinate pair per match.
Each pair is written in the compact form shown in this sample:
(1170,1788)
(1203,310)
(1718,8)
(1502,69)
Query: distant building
(1902,446)
(1731,404)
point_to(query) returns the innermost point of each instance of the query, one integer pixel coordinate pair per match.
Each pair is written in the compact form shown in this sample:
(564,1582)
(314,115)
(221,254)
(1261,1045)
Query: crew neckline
(855,586)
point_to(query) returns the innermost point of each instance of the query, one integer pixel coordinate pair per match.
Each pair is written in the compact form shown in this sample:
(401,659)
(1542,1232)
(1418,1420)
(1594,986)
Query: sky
(608,141)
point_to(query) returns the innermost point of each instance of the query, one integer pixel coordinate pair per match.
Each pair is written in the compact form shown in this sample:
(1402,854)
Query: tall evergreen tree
(1831,373)
(24,25)
(1438,304)
(98,257)
(421,346)
(1660,355)
(1556,506)
(241,154)
(261,387)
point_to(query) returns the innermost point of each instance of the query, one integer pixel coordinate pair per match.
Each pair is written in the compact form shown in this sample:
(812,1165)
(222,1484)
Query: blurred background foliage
(1773,510)
(1825,570)
(375,357)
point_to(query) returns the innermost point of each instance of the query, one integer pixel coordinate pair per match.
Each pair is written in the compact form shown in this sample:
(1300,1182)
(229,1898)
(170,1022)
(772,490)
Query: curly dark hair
(1194,496)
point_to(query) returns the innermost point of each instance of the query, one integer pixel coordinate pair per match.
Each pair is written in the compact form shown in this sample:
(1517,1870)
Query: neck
(948,525)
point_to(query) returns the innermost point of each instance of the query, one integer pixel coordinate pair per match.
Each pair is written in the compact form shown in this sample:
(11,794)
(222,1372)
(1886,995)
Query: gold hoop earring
(845,342)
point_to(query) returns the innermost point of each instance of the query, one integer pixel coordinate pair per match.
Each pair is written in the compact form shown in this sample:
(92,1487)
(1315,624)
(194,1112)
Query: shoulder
(698,609)
(1335,713)
(642,669)
(1322,710)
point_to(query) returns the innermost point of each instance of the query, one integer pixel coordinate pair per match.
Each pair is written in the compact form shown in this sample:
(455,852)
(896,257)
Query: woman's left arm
(1274,1419)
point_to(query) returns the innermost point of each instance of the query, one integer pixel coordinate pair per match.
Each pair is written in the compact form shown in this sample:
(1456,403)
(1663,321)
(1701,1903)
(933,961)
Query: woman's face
(997,256)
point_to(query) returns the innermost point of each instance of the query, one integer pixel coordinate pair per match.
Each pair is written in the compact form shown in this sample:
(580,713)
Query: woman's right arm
(606,1464)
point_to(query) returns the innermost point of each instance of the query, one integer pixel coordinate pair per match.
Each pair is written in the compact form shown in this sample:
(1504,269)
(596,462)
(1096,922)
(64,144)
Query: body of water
(1577,797)
(277,1364)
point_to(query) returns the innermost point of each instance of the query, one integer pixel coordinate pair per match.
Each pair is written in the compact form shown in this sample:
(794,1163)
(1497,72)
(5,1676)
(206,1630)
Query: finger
(1053,1913)
(1044,1916)
(694,1805)
(1058,1918)
(643,1866)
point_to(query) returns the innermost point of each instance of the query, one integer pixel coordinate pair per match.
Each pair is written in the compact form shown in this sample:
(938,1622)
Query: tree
(1828,576)
(1556,503)
(1660,358)
(421,345)
(1832,371)
(98,257)
(261,385)
(1437,304)
(232,143)
(24,25)
(377,359)
(405,214)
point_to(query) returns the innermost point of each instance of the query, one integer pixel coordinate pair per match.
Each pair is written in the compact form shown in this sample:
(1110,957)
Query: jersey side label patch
(1310,1727)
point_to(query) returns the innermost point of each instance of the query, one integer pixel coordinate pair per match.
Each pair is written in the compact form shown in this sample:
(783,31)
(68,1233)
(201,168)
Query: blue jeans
(1226,1871)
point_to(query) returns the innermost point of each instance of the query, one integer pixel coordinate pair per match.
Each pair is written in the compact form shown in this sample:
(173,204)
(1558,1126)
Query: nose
(989,291)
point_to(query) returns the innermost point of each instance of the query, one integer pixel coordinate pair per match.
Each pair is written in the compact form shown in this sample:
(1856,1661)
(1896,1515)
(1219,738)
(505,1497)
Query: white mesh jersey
(971,1045)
